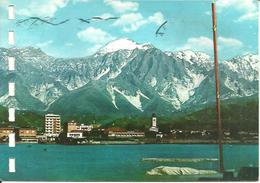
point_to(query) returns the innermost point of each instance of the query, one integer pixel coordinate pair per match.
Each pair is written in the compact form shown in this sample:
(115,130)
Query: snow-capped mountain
(123,44)
(123,77)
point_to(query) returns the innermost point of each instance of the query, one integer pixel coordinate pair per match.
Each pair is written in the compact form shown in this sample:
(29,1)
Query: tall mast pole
(219,127)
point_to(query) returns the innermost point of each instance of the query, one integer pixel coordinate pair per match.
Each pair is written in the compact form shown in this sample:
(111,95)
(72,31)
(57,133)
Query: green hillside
(237,114)
(23,119)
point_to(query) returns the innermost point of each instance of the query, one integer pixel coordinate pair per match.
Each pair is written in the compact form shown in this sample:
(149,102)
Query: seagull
(84,20)
(159,28)
(102,18)
(111,18)
(37,19)
(97,18)
(107,18)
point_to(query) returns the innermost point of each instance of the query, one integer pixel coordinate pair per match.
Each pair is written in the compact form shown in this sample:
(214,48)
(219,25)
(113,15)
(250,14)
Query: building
(159,135)
(115,129)
(72,125)
(154,127)
(28,135)
(96,125)
(42,138)
(4,132)
(85,128)
(27,132)
(75,134)
(116,132)
(127,134)
(52,125)
(76,131)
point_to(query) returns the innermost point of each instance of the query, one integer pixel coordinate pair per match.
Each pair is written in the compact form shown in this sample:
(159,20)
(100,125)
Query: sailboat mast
(219,126)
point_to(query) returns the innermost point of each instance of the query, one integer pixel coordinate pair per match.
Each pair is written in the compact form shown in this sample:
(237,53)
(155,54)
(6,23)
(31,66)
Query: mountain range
(123,78)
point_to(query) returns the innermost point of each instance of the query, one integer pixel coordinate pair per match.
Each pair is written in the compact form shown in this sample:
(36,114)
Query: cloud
(242,5)
(247,7)
(248,16)
(229,42)
(44,44)
(133,21)
(157,18)
(130,22)
(80,1)
(205,44)
(93,35)
(122,6)
(4,4)
(47,8)
(106,15)
(93,49)
(201,43)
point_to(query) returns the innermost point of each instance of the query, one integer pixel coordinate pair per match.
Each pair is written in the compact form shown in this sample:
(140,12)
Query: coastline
(125,142)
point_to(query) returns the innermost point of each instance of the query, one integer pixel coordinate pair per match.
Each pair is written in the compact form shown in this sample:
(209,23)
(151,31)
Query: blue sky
(189,25)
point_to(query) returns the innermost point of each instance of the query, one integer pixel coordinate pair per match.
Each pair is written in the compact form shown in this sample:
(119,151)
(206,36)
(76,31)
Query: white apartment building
(52,125)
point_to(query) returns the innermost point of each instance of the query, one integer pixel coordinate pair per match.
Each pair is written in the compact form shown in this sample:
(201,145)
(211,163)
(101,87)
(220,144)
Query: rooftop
(52,115)
(7,128)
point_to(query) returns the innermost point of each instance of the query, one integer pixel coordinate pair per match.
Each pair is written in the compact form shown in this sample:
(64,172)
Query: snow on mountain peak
(29,50)
(251,58)
(190,56)
(123,44)
(246,63)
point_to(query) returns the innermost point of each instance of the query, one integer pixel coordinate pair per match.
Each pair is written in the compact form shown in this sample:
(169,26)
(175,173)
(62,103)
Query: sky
(189,25)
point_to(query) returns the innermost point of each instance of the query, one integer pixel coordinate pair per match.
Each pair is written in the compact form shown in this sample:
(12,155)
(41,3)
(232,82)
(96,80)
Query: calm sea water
(113,162)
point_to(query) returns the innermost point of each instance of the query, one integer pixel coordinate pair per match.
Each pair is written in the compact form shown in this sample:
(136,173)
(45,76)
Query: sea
(41,162)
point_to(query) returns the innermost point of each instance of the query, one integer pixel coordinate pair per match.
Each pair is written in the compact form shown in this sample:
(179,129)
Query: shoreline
(118,142)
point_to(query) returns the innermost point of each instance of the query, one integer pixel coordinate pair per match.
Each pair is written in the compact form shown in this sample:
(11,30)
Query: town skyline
(92,132)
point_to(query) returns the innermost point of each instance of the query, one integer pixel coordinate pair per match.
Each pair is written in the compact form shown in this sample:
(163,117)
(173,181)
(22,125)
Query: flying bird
(97,18)
(35,20)
(112,18)
(102,18)
(84,20)
(162,26)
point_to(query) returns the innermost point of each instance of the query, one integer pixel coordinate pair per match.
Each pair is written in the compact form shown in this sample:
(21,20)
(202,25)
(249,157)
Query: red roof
(81,131)
(115,129)
(7,128)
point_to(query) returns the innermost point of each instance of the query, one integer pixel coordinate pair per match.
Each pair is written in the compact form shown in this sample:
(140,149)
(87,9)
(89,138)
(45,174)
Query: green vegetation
(237,115)
(24,119)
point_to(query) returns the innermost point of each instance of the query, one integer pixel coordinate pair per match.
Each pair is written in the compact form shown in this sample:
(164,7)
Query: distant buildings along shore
(74,132)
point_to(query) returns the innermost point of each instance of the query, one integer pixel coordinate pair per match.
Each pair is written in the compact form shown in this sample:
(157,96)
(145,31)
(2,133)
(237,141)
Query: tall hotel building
(52,125)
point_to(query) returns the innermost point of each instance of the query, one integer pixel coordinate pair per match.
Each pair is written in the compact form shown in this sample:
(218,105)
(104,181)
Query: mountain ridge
(140,78)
